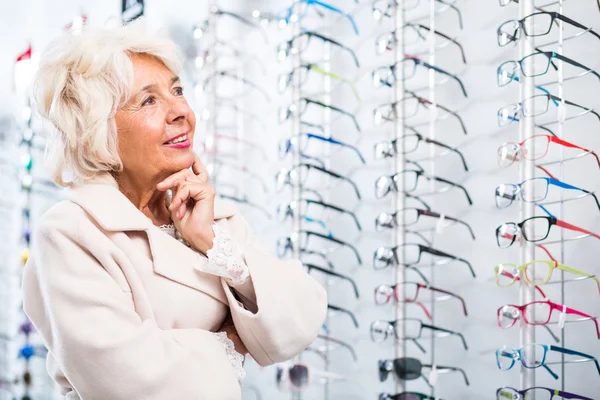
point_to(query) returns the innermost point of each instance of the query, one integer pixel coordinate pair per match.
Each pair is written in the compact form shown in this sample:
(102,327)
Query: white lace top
(225,259)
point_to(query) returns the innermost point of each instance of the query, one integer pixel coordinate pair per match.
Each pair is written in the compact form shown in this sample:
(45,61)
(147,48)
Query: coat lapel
(113,212)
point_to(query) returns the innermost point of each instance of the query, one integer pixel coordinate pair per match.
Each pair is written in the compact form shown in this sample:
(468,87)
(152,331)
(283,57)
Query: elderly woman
(139,295)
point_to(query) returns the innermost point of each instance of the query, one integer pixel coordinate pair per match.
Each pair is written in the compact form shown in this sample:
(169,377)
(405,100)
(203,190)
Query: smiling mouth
(178,139)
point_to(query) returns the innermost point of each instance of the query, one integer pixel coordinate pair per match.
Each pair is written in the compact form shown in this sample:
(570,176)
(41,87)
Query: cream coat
(127,315)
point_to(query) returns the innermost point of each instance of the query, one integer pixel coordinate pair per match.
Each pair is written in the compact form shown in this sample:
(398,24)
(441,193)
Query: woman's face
(156,114)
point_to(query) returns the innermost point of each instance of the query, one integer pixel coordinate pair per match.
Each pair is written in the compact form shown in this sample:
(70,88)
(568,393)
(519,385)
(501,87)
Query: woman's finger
(173,179)
(181,195)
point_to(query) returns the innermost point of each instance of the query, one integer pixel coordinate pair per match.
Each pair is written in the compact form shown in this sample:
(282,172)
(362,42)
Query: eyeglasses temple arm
(460,22)
(336,175)
(351,182)
(574,23)
(318,160)
(337,44)
(408,195)
(341,343)
(575,63)
(425,310)
(420,236)
(449,369)
(576,353)
(442,71)
(334,141)
(456,185)
(412,268)
(436,328)
(567,395)
(578,272)
(460,120)
(451,294)
(568,144)
(558,99)
(320,353)
(548,54)
(338,275)
(564,185)
(336,77)
(442,254)
(416,342)
(462,51)
(570,310)
(566,225)
(451,149)
(338,110)
(337,10)
(348,312)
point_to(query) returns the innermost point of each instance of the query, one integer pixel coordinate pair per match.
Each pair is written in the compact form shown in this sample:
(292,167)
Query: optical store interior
(432,163)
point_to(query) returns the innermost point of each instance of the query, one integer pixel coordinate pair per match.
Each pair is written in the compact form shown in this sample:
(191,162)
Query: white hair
(81,82)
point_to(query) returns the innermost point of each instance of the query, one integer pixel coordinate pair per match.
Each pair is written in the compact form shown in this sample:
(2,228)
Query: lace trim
(236,359)
(226,259)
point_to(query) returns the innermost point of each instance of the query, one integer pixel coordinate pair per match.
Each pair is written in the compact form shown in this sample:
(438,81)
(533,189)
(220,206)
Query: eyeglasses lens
(507,316)
(537,24)
(535,64)
(506,274)
(536,105)
(508,32)
(299,375)
(505,356)
(536,228)
(379,331)
(507,154)
(537,313)
(535,147)
(533,355)
(407,368)
(383,186)
(505,194)
(411,291)
(506,234)
(539,272)
(507,394)
(410,327)
(384,256)
(507,72)
(534,190)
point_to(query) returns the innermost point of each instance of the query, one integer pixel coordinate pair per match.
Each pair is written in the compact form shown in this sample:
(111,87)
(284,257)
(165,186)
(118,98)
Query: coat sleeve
(290,306)
(99,342)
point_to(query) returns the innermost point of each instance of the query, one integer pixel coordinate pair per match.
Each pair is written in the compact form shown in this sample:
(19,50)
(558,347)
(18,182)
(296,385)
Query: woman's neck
(146,198)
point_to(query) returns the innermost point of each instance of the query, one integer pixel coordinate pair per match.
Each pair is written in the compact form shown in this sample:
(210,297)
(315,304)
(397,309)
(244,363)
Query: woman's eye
(148,101)
(179,91)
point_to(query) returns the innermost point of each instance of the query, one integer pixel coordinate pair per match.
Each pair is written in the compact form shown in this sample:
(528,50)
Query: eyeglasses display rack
(541,377)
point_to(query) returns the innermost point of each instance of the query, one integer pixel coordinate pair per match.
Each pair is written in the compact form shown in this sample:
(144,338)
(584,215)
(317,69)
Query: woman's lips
(181,145)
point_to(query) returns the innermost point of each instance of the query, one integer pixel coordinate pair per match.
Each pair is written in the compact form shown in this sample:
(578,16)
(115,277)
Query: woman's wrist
(203,242)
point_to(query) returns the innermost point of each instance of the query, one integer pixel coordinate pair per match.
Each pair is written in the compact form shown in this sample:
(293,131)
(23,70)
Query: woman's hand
(229,328)
(192,206)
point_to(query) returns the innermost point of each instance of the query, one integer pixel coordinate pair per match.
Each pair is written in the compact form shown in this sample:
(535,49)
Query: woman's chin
(183,160)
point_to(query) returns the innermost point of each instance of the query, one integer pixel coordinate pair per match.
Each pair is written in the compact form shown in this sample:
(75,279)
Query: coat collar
(101,198)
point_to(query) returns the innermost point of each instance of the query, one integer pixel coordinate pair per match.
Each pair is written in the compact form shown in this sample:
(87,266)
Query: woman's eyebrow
(152,86)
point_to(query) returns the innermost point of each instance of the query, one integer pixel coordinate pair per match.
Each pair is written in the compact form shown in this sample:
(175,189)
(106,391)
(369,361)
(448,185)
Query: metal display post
(399,161)
(432,125)
(526,171)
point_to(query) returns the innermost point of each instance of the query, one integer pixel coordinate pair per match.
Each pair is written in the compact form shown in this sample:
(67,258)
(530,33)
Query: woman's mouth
(179,142)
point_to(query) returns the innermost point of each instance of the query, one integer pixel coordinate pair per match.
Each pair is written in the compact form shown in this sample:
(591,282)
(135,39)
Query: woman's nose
(179,110)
